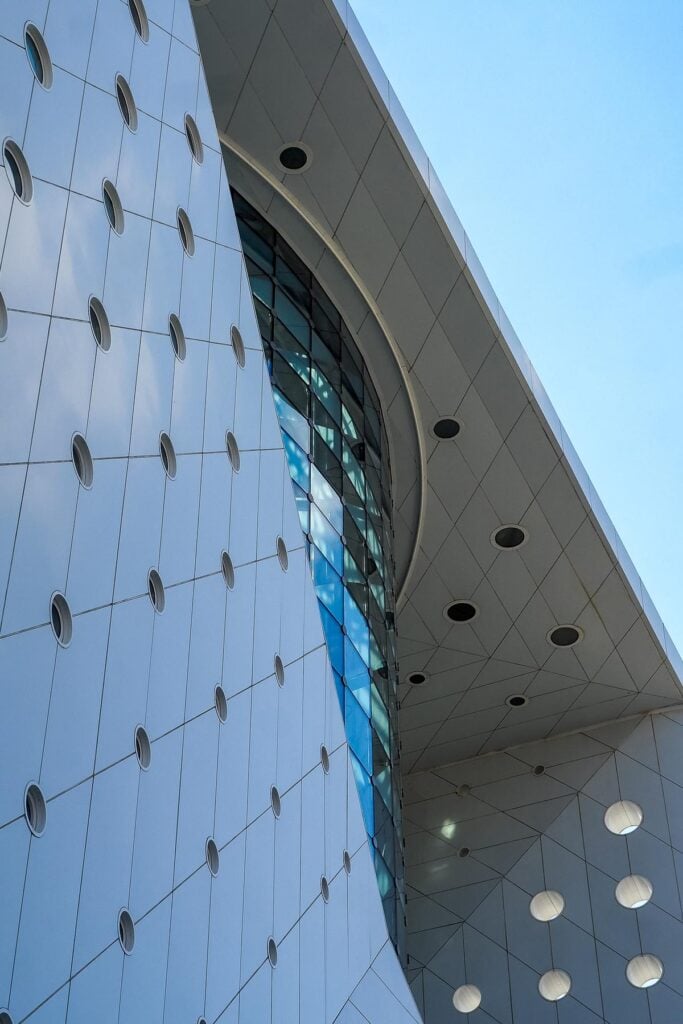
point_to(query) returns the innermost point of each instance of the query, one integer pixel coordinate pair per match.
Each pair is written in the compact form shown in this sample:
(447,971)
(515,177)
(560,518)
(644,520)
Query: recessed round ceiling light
(508,537)
(467,999)
(295,158)
(516,700)
(461,611)
(564,636)
(645,970)
(446,429)
(416,678)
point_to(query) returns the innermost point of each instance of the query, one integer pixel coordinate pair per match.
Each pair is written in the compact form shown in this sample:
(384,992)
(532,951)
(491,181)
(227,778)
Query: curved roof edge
(435,194)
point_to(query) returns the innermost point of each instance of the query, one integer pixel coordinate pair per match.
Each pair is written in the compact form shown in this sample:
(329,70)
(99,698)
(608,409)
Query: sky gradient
(556,128)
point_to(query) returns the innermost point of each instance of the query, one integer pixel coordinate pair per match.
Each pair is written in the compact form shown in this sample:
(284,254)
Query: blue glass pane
(358,731)
(302,507)
(327,500)
(327,539)
(334,640)
(365,793)
(383,784)
(328,584)
(356,675)
(292,421)
(340,688)
(380,720)
(299,466)
(384,879)
(357,628)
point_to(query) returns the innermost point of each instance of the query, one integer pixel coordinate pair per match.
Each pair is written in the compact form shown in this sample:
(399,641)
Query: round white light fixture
(554,985)
(633,892)
(546,905)
(645,970)
(467,999)
(623,817)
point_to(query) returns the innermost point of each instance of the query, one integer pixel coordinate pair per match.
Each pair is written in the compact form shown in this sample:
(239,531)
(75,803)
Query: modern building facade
(328,692)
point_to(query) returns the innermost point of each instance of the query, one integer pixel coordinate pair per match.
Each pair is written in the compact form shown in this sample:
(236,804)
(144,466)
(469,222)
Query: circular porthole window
(38,56)
(564,636)
(546,905)
(35,809)
(233,450)
(112,206)
(275,802)
(227,570)
(633,892)
(82,460)
(126,932)
(282,556)
(461,611)
(295,158)
(124,98)
(17,171)
(416,678)
(272,952)
(238,346)
(467,999)
(644,971)
(60,619)
(139,16)
(194,139)
(446,428)
(623,817)
(99,323)
(143,748)
(516,700)
(507,538)
(167,453)
(3,330)
(185,231)
(554,985)
(175,329)
(325,759)
(221,704)
(279,670)
(212,856)
(325,889)
(347,862)
(155,589)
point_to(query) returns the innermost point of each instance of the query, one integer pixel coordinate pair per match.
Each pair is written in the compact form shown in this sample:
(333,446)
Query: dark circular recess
(99,322)
(35,809)
(293,158)
(143,748)
(461,611)
(124,98)
(272,952)
(5,1017)
(539,769)
(113,207)
(139,16)
(238,346)
(508,537)
(325,889)
(416,678)
(17,171)
(60,619)
(325,759)
(185,231)
(175,329)
(3,335)
(126,932)
(38,56)
(212,856)
(275,802)
(82,460)
(221,702)
(446,428)
(347,862)
(564,636)
(464,851)
(155,589)
(228,570)
(516,700)
(279,670)
(194,139)
(167,453)
(233,450)
(282,556)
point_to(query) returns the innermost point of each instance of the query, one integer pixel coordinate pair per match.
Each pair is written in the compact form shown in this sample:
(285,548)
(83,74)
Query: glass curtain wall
(338,458)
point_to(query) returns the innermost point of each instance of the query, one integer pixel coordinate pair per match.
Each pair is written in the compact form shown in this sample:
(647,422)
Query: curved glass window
(337,450)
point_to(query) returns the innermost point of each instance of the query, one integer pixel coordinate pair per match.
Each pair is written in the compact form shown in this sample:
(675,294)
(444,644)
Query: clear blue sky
(556,127)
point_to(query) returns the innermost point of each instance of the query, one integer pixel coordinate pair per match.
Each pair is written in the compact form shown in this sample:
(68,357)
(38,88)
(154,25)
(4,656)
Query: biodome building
(328,692)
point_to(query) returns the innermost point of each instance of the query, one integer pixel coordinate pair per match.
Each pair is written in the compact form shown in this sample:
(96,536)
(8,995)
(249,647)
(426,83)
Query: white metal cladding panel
(117,836)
